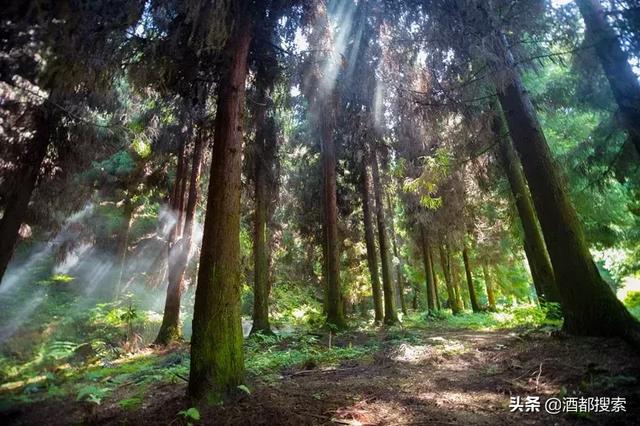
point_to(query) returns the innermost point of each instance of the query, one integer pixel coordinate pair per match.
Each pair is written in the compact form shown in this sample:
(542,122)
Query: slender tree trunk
(428,272)
(17,200)
(537,256)
(335,312)
(217,358)
(396,254)
(615,62)
(455,275)
(369,237)
(390,314)
(491,297)
(446,270)
(434,279)
(180,252)
(589,304)
(475,306)
(263,162)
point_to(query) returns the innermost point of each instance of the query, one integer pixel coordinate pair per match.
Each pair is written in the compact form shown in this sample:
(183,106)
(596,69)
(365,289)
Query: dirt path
(444,377)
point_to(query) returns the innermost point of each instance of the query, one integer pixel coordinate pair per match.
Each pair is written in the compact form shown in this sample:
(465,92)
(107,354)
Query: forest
(352,212)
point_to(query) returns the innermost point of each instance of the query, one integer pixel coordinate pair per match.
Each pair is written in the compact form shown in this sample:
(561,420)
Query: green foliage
(92,393)
(191,415)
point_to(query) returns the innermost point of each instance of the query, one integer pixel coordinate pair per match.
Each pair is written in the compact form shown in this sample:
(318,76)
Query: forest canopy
(244,194)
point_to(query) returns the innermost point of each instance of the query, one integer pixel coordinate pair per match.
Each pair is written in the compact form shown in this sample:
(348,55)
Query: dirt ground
(450,377)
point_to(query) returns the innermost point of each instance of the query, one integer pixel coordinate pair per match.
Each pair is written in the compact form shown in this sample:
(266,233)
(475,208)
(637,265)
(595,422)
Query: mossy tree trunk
(390,314)
(589,304)
(615,62)
(217,358)
(475,306)
(369,237)
(535,248)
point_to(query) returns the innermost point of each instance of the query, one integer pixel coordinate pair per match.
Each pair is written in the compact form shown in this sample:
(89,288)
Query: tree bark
(615,62)
(428,272)
(446,270)
(217,358)
(263,162)
(589,304)
(390,314)
(180,252)
(491,297)
(537,255)
(396,254)
(335,312)
(369,237)
(123,241)
(17,201)
(475,306)
(434,279)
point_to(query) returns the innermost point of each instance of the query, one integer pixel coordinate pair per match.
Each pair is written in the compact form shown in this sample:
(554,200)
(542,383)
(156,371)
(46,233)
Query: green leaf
(244,389)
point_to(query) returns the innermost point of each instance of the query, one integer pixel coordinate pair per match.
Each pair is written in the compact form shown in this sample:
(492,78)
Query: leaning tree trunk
(615,62)
(428,273)
(455,277)
(390,314)
(589,304)
(537,256)
(491,297)
(17,200)
(180,251)
(446,270)
(217,358)
(475,306)
(369,237)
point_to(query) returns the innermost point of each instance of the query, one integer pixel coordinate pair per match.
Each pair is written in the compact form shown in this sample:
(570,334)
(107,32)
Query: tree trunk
(335,312)
(615,62)
(398,266)
(434,279)
(369,237)
(390,314)
(491,297)
(537,256)
(475,306)
(263,162)
(455,277)
(180,251)
(446,270)
(217,358)
(428,272)
(589,304)
(17,200)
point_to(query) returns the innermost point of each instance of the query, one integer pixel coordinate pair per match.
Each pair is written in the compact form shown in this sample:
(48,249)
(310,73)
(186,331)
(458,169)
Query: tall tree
(475,306)
(537,255)
(390,314)
(369,237)
(615,62)
(428,272)
(217,359)
(264,157)
(589,304)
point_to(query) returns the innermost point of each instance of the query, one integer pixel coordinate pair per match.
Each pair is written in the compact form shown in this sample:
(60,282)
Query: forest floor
(432,374)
